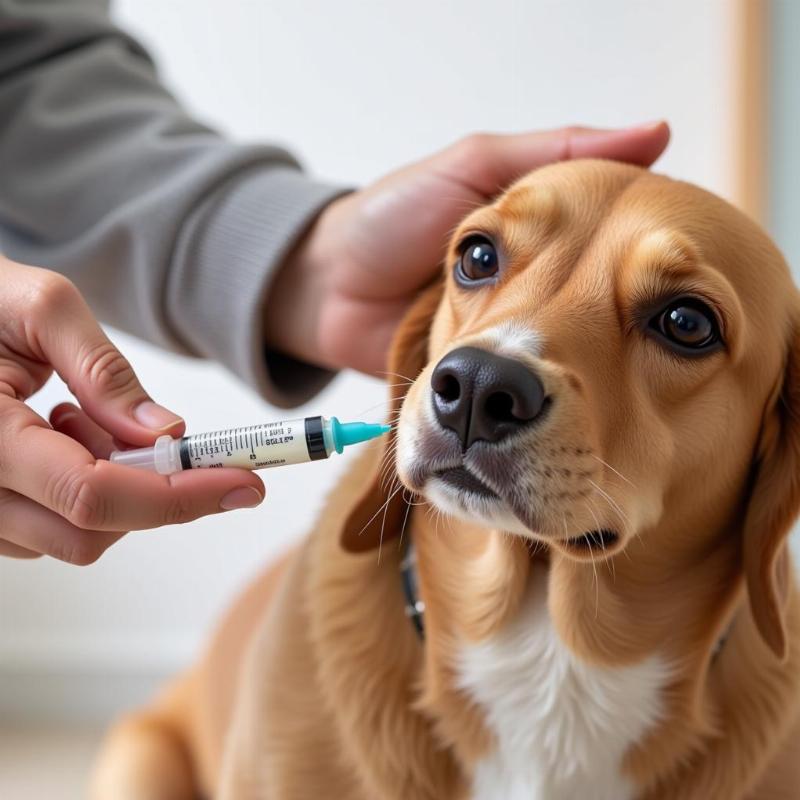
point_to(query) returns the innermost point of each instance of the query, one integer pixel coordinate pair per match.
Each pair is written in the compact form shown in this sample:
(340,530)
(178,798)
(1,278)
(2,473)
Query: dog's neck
(621,608)
(609,614)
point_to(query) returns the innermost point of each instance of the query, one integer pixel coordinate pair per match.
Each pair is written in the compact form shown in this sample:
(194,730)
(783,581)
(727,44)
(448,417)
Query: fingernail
(154,416)
(243,497)
(647,126)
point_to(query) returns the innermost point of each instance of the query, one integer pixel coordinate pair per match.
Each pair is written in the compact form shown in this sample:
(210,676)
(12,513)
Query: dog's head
(610,360)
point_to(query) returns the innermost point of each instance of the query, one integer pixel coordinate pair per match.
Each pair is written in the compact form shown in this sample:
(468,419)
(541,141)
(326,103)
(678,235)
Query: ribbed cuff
(229,250)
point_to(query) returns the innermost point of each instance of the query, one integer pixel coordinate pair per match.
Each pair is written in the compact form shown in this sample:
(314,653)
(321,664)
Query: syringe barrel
(273,444)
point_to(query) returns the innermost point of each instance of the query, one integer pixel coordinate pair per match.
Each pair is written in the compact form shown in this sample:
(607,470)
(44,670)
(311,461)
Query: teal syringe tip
(347,433)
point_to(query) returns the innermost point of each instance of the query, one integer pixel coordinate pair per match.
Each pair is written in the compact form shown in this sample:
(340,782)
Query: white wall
(355,88)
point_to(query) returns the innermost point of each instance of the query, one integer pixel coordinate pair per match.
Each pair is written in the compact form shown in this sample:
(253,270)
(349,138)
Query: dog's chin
(461,495)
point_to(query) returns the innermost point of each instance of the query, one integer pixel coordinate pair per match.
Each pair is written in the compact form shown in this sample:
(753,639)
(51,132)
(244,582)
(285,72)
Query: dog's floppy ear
(375,516)
(774,504)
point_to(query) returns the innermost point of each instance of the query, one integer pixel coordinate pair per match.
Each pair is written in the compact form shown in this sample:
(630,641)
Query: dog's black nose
(483,396)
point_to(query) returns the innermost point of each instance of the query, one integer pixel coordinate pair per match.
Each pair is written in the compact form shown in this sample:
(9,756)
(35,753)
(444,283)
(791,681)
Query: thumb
(71,341)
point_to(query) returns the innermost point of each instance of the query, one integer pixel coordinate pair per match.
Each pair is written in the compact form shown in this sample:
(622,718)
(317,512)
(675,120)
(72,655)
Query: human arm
(170,231)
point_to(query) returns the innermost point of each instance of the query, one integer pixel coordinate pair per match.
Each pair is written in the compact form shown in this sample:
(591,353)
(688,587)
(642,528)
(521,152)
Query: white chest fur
(562,726)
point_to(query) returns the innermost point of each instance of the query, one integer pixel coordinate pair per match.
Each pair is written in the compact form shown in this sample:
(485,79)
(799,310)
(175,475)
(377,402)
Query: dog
(565,572)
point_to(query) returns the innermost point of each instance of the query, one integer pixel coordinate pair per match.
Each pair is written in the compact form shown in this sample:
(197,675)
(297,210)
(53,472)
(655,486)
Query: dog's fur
(667,666)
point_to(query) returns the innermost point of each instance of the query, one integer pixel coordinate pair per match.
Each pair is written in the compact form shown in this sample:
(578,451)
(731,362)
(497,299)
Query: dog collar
(415,607)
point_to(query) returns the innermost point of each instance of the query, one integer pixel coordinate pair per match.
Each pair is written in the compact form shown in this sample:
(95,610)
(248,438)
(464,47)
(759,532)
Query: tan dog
(603,439)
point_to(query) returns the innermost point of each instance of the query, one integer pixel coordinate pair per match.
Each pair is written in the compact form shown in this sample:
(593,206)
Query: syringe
(274,444)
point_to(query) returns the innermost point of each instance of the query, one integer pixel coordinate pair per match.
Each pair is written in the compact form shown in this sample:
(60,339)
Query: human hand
(368,253)
(56,497)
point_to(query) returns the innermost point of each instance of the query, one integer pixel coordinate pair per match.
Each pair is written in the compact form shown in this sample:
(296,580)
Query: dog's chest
(562,727)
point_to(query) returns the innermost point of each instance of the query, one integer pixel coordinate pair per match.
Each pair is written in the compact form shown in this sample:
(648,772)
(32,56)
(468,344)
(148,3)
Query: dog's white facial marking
(562,726)
(511,339)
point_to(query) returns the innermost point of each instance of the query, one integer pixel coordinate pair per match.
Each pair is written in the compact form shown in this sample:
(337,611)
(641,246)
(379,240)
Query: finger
(641,145)
(72,421)
(60,330)
(15,551)
(33,529)
(60,474)
(487,163)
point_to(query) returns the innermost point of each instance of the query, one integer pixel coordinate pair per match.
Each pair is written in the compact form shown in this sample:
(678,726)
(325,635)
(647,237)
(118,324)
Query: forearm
(171,232)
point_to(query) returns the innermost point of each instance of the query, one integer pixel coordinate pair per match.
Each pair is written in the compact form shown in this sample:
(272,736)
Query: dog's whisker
(535,546)
(386,477)
(594,566)
(388,453)
(386,467)
(383,521)
(405,520)
(438,517)
(397,375)
(608,561)
(382,506)
(613,503)
(386,458)
(410,499)
(392,446)
(386,401)
(615,471)
(627,530)
(369,409)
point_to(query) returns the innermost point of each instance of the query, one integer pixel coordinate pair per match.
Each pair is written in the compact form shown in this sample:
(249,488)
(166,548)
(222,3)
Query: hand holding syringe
(273,444)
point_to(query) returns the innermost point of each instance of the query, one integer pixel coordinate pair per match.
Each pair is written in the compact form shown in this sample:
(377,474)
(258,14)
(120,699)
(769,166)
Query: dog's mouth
(604,539)
(476,498)
(502,490)
(462,478)
(458,491)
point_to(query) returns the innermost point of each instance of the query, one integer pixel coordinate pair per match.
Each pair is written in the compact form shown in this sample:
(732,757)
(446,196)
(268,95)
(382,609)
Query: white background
(354,88)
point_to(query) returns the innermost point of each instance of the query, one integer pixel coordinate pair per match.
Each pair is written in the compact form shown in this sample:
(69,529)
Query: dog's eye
(478,260)
(689,323)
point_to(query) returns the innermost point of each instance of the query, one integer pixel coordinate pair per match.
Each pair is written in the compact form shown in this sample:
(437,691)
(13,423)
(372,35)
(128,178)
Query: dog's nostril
(499,406)
(447,387)
(482,396)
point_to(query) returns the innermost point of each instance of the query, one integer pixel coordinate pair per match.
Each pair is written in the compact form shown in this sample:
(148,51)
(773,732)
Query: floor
(45,763)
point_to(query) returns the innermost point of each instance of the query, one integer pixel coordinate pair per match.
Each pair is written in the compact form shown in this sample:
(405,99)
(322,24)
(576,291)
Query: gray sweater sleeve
(171,232)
